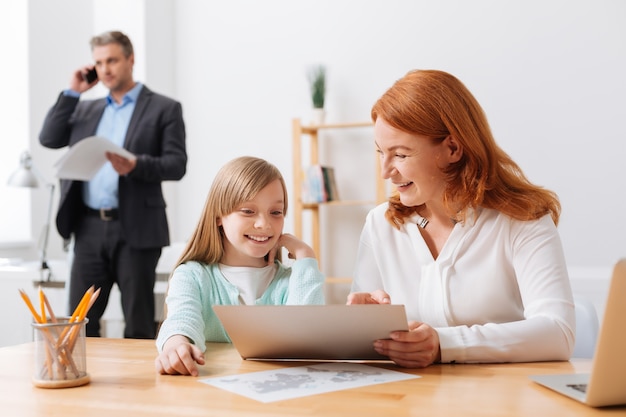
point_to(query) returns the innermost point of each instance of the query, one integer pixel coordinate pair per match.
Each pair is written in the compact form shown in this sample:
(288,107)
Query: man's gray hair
(113,37)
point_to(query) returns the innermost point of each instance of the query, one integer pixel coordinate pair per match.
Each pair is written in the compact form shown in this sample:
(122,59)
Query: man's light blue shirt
(102,190)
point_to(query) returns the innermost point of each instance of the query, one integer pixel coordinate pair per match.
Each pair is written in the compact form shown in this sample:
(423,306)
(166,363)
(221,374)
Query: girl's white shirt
(252,282)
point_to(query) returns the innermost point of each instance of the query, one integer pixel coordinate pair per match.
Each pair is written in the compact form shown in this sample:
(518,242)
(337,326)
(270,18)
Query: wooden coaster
(62,383)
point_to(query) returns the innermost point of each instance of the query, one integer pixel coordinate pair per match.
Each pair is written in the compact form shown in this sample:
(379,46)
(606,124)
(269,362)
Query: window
(15,203)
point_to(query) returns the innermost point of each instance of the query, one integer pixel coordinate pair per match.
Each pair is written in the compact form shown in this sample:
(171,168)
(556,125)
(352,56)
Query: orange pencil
(74,332)
(47,336)
(79,308)
(53,317)
(42,306)
(30,306)
(75,314)
(92,300)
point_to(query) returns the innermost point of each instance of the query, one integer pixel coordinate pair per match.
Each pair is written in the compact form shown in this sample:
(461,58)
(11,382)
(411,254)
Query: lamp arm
(44,249)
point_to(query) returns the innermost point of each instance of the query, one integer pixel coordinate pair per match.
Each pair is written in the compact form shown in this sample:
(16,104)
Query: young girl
(233,257)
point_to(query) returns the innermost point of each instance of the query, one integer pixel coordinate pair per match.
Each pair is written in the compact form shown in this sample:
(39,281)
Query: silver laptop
(310,332)
(606,385)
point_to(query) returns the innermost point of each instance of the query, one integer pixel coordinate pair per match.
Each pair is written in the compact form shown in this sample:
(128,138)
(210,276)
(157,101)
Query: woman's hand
(417,348)
(179,357)
(375,297)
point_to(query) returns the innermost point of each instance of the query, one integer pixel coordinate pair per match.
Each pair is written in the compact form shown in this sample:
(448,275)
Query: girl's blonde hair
(436,104)
(238,181)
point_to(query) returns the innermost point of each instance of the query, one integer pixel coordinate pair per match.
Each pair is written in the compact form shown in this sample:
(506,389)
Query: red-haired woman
(466,242)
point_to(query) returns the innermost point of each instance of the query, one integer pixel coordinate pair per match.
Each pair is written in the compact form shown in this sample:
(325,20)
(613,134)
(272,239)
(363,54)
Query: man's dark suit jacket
(156,135)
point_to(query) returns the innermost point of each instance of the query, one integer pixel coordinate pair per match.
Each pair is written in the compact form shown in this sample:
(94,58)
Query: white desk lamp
(28,176)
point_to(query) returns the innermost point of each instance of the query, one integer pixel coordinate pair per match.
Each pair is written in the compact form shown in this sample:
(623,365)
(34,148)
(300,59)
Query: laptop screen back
(315,332)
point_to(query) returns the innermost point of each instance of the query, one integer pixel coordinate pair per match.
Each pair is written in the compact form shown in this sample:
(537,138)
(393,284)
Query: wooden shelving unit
(299,132)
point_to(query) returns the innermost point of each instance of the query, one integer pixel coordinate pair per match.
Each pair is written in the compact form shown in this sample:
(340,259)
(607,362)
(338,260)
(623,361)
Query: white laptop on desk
(606,385)
(310,332)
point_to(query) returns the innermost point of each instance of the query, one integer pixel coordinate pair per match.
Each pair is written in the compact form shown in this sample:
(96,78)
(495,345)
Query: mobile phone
(91,76)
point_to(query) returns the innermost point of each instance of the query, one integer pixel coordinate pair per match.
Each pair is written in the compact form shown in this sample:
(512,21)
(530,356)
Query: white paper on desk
(83,160)
(300,381)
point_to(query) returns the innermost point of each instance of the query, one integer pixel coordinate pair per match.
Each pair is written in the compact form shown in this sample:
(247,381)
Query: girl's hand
(376,297)
(179,357)
(297,248)
(417,348)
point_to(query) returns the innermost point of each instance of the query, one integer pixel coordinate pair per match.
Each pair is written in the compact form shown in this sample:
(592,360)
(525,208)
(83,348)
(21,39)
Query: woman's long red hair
(436,104)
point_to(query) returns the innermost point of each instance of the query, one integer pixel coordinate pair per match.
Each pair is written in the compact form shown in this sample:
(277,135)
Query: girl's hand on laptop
(179,357)
(376,297)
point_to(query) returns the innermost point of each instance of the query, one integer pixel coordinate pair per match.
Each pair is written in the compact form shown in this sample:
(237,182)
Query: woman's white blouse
(498,292)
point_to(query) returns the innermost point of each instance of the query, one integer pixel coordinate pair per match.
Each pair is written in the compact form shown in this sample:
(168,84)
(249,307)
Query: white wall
(14,122)
(549,74)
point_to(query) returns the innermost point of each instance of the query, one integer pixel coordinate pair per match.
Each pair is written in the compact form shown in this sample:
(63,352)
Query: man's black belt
(104,214)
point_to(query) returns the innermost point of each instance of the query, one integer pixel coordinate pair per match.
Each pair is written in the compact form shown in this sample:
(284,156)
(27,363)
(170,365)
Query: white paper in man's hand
(84,159)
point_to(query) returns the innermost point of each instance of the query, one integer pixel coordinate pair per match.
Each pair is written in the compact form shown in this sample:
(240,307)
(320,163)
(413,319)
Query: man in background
(117,219)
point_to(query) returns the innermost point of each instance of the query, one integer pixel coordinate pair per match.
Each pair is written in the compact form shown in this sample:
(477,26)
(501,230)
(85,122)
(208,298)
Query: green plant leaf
(317,83)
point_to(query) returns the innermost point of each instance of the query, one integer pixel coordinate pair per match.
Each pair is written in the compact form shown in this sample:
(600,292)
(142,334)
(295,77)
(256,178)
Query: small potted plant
(317,84)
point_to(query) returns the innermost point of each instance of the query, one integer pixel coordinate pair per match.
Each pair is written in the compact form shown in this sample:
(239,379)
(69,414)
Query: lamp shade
(27,176)
(24,175)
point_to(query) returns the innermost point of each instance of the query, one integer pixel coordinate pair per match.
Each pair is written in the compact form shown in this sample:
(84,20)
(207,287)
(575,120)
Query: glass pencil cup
(60,360)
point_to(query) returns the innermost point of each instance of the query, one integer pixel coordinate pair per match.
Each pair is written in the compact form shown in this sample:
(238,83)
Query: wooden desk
(124,383)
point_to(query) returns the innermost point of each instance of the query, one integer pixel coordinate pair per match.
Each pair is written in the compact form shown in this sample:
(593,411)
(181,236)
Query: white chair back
(587,327)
